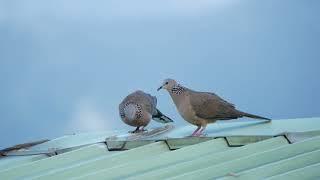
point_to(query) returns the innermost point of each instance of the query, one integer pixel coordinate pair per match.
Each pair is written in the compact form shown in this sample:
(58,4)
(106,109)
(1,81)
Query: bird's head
(168,84)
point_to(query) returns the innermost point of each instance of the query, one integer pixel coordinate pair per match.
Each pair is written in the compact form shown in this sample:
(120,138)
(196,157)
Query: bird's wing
(121,109)
(150,103)
(147,101)
(211,106)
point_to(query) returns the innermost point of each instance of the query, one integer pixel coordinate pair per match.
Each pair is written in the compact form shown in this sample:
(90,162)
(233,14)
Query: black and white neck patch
(177,89)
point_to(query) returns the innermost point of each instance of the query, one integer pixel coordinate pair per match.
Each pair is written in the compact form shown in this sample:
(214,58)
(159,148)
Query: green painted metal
(13,161)
(209,159)
(154,149)
(244,140)
(75,140)
(177,143)
(126,145)
(300,136)
(272,169)
(173,144)
(50,163)
(254,160)
(309,172)
(161,161)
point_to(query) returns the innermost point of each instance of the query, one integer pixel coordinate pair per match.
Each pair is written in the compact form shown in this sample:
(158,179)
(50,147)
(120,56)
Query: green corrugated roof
(242,150)
(13,161)
(216,158)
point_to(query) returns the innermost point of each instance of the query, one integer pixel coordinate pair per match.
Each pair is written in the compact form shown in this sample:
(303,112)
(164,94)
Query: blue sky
(66,65)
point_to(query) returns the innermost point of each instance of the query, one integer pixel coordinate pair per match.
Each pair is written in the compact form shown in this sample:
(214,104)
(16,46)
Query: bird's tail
(161,118)
(254,116)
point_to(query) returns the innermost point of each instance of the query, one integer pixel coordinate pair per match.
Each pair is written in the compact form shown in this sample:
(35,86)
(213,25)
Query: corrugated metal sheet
(308,172)
(216,158)
(71,142)
(150,150)
(48,164)
(235,151)
(13,161)
(254,160)
(279,167)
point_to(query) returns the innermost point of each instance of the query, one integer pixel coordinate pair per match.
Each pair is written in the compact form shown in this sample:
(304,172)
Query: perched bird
(201,108)
(138,108)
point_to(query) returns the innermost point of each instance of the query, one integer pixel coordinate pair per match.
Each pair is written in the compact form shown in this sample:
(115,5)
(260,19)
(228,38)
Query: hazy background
(66,64)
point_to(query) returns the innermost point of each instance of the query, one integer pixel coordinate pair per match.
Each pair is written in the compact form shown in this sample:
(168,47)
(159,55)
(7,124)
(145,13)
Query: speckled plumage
(138,108)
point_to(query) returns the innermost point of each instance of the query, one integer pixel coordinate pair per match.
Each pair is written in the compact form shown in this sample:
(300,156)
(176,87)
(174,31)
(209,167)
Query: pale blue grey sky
(66,65)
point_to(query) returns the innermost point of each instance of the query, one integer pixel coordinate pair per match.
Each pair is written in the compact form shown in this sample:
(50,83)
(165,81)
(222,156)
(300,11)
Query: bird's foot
(196,135)
(138,131)
(143,130)
(199,134)
(203,135)
(193,134)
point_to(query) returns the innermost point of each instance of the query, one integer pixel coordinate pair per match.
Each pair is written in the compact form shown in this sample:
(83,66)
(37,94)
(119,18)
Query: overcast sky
(66,65)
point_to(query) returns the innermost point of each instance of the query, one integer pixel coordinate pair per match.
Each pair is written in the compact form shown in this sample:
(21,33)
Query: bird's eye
(167,82)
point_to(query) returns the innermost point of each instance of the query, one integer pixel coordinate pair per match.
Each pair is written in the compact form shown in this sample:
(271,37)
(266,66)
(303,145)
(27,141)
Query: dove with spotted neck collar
(202,108)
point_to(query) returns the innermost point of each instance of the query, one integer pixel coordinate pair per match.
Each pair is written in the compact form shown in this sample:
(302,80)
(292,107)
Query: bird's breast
(186,111)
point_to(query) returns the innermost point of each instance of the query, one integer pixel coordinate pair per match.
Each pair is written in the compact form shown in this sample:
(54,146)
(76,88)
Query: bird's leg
(142,129)
(199,133)
(135,131)
(196,131)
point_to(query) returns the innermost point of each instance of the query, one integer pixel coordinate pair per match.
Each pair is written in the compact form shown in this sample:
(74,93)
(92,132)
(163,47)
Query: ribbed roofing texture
(272,154)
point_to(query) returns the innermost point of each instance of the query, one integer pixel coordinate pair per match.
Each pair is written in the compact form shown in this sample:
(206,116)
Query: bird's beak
(159,88)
